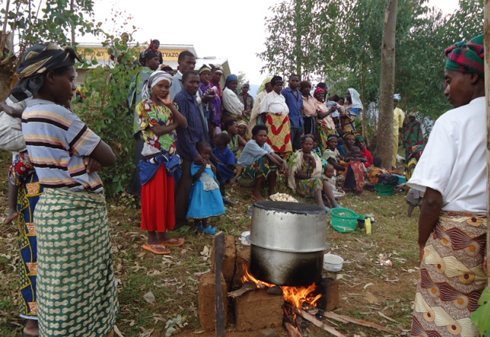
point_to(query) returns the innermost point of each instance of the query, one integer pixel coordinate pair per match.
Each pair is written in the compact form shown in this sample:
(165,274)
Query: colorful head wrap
(466,57)
(276,79)
(231,77)
(155,77)
(397,97)
(242,123)
(317,90)
(360,138)
(36,61)
(203,69)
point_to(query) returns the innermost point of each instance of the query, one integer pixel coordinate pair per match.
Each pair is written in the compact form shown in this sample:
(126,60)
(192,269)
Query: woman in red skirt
(158,118)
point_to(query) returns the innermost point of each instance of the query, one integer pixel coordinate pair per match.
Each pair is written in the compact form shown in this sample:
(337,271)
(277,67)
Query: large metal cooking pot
(288,243)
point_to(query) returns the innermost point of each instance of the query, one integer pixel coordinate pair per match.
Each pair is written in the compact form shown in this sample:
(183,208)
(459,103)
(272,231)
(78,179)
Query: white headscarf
(355,98)
(155,77)
(397,97)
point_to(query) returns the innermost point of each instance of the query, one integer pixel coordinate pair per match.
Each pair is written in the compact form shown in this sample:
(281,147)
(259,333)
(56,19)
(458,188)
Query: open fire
(298,297)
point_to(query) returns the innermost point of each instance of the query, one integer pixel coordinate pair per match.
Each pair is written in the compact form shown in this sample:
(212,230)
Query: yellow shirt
(399,117)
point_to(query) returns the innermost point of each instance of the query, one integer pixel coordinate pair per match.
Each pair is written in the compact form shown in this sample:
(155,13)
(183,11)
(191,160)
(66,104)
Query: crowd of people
(194,138)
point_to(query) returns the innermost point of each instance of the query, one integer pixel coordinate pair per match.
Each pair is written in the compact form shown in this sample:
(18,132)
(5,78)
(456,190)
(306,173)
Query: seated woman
(305,175)
(361,143)
(354,175)
(332,155)
(230,127)
(226,158)
(260,162)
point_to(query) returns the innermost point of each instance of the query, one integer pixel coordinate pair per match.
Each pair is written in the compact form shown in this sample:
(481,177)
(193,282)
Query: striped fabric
(57,140)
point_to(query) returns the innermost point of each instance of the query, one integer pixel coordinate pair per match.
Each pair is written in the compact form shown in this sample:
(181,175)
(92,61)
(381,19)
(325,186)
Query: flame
(297,296)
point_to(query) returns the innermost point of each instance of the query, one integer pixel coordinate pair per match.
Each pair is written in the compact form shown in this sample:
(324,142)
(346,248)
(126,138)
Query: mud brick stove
(279,273)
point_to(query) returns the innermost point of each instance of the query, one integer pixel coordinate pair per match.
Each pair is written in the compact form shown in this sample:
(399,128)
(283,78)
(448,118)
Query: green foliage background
(340,42)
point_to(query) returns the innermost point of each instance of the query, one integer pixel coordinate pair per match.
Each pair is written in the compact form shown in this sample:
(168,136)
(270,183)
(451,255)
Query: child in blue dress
(226,157)
(205,197)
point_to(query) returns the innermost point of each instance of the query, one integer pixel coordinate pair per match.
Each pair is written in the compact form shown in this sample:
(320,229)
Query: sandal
(173,242)
(156,249)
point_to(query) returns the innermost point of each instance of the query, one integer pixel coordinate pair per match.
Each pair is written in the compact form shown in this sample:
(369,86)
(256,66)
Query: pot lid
(289,207)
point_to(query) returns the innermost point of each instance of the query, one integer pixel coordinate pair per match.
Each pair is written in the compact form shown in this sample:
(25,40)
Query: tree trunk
(387,87)
(299,56)
(72,28)
(487,95)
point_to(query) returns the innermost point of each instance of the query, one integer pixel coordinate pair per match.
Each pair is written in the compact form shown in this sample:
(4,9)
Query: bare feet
(10,217)
(31,328)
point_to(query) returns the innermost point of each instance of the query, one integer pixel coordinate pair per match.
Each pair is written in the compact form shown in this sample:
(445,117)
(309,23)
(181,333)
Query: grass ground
(379,294)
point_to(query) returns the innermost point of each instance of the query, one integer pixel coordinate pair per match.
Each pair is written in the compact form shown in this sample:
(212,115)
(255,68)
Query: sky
(222,28)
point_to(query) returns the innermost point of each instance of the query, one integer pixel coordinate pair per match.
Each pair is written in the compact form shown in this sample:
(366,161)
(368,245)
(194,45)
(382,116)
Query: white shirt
(232,103)
(274,103)
(454,161)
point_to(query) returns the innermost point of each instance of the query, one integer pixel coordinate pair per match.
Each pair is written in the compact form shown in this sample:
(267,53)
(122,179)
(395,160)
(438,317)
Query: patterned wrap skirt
(279,136)
(29,192)
(76,288)
(451,277)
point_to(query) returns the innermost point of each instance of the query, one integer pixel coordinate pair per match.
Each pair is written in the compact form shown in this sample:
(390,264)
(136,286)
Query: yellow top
(399,117)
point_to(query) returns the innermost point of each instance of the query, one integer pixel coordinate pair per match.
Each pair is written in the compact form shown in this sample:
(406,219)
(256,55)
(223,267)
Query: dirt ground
(376,293)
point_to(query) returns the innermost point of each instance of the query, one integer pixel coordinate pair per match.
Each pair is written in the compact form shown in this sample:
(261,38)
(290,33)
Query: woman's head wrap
(204,68)
(229,79)
(148,54)
(355,98)
(276,79)
(155,77)
(398,97)
(332,137)
(319,89)
(264,83)
(36,62)
(466,57)
(360,138)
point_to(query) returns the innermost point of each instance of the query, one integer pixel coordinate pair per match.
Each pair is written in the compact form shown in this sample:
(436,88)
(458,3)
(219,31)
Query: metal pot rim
(311,250)
(289,207)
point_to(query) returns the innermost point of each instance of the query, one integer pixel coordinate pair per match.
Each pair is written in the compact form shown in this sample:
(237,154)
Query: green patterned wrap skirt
(76,288)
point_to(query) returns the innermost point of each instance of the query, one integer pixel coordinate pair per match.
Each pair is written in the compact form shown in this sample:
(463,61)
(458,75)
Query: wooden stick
(293,332)
(245,288)
(219,254)
(347,319)
(320,324)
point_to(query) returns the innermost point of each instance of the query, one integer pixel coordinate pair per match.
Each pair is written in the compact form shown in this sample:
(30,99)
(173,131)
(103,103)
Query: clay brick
(242,259)
(258,310)
(228,261)
(329,288)
(333,295)
(207,293)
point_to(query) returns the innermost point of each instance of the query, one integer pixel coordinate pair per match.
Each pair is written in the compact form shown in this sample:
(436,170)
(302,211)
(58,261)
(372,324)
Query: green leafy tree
(106,112)
(33,21)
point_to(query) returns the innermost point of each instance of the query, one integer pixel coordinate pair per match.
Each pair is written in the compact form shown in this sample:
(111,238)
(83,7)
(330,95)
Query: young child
(332,155)
(354,175)
(205,197)
(260,162)
(226,158)
(331,179)
(11,139)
